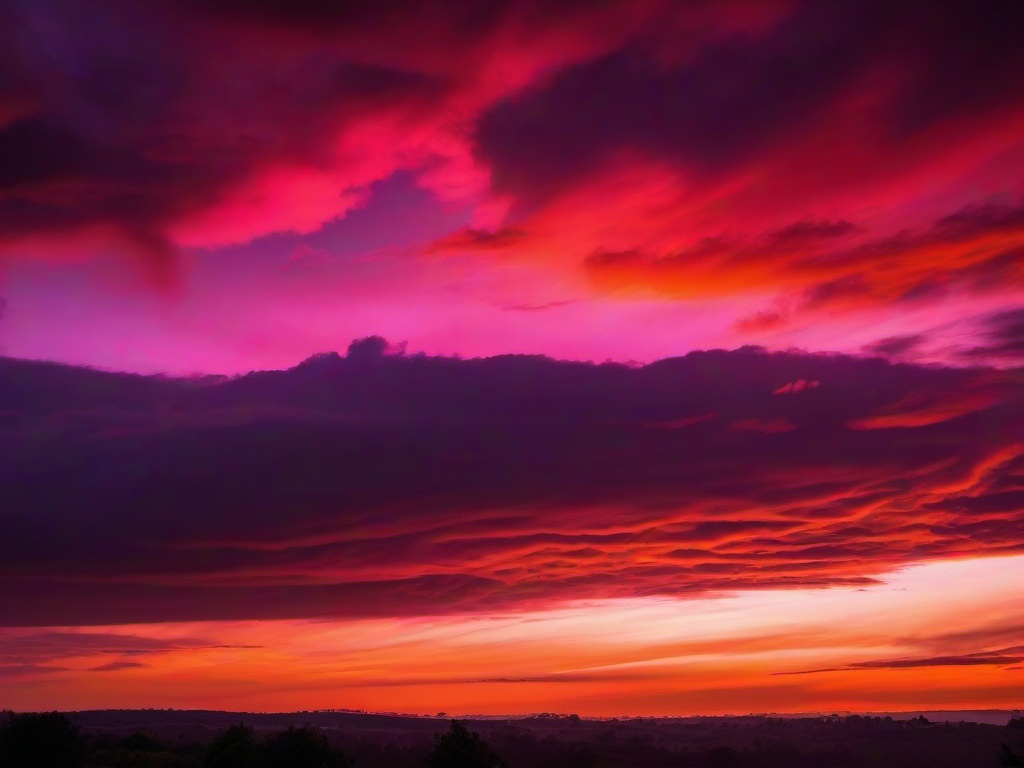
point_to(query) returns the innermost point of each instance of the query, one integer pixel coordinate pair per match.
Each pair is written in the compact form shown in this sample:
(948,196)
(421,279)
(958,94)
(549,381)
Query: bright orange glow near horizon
(935,636)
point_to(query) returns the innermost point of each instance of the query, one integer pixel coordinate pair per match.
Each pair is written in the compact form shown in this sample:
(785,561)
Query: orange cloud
(921,409)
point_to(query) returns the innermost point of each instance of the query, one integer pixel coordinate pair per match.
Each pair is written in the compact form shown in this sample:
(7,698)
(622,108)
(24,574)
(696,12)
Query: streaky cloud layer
(884,646)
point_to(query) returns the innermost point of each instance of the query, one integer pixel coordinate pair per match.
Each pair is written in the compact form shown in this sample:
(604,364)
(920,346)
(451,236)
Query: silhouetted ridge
(340,739)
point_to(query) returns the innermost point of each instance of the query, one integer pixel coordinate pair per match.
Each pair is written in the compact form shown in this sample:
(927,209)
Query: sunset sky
(688,372)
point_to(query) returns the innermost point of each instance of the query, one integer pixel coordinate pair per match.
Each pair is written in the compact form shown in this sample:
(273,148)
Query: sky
(635,357)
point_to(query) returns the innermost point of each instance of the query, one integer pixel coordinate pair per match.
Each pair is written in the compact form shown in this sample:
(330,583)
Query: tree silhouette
(141,742)
(304,747)
(722,757)
(460,748)
(368,349)
(40,740)
(235,748)
(574,756)
(1010,759)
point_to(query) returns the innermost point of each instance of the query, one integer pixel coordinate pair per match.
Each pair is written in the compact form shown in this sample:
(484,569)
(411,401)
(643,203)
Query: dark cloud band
(387,484)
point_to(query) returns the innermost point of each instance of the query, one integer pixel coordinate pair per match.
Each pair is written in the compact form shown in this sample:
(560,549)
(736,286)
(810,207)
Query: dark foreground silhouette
(170,739)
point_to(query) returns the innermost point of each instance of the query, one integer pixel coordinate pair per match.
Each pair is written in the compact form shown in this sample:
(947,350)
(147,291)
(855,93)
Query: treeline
(52,740)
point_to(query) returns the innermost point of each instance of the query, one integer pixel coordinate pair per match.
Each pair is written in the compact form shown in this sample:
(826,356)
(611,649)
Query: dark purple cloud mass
(746,94)
(383,484)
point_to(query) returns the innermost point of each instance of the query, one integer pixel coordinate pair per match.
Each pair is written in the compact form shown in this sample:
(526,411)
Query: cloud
(997,658)
(997,632)
(795,387)
(306,258)
(540,307)
(28,670)
(687,150)
(686,421)
(715,170)
(941,661)
(802,231)
(117,666)
(476,240)
(978,255)
(673,108)
(168,161)
(401,484)
(1002,338)
(924,408)
(896,346)
(762,321)
(36,648)
(153,128)
(568,677)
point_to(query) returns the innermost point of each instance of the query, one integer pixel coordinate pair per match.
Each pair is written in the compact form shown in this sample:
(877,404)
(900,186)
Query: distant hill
(118,718)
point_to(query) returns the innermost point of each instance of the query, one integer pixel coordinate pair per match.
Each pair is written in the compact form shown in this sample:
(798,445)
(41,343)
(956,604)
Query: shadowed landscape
(190,739)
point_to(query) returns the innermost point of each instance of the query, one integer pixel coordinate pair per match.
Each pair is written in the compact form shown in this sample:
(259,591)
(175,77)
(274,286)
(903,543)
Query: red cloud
(687,421)
(793,387)
(149,128)
(477,240)
(579,131)
(924,409)
(816,198)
